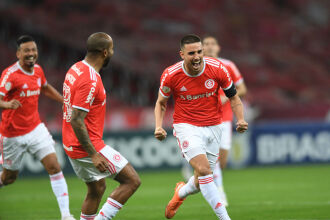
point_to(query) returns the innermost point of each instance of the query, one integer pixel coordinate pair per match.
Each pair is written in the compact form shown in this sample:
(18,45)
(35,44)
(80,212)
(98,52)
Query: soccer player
(83,122)
(195,83)
(21,128)
(212,49)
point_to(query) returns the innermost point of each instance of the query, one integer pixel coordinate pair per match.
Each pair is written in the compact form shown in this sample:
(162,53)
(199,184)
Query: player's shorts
(195,140)
(38,142)
(226,138)
(85,169)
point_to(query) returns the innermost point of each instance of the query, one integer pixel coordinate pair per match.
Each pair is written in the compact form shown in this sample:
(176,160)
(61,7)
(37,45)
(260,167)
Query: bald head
(98,42)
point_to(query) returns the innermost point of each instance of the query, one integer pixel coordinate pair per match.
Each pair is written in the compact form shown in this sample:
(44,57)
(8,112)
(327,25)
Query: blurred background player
(212,48)
(195,83)
(21,128)
(83,123)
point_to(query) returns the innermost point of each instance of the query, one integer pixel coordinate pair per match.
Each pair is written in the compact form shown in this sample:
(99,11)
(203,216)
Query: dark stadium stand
(281,47)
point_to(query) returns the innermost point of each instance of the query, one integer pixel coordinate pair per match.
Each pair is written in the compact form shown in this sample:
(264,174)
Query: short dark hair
(97,43)
(23,39)
(189,39)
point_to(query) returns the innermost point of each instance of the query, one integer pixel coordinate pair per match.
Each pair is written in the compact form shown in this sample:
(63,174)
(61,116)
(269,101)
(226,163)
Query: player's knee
(203,170)
(54,168)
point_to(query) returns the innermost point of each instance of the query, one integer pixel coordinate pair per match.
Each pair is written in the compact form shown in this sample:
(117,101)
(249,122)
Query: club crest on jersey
(117,157)
(209,84)
(39,81)
(166,89)
(185,144)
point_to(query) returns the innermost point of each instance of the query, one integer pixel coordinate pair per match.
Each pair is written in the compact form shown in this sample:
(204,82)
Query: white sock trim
(87,217)
(114,203)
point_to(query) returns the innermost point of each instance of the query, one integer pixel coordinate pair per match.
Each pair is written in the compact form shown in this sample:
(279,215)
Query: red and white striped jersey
(83,89)
(196,97)
(227,113)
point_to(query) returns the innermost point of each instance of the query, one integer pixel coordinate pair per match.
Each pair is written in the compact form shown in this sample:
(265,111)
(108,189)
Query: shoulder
(172,70)
(10,71)
(212,62)
(38,69)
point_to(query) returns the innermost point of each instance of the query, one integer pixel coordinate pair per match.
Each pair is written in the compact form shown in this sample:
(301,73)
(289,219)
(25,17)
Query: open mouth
(30,58)
(196,64)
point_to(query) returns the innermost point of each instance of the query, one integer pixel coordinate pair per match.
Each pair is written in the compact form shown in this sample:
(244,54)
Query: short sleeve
(225,80)
(235,73)
(165,88)
(43,78)
(85,95)
(7,83)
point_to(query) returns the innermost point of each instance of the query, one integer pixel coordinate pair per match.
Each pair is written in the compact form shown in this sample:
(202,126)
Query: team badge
(185,144)
(209,84)
(8,86)
(166,89)
(117,157)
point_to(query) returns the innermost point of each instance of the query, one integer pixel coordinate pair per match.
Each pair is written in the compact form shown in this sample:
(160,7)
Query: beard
(106,62)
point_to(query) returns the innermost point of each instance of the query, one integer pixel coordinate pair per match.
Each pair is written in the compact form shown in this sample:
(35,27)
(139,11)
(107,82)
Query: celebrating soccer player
(83,122)
(195,83)
(21,128)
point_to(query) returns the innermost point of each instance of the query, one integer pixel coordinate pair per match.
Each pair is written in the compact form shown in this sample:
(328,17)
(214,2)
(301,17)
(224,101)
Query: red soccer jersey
(83,89)
(227,113)
(24,87)
(196,97)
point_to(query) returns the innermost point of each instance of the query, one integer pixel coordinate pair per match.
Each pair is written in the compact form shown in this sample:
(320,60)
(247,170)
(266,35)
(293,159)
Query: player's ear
(181,54)
(18,53)
(105,53)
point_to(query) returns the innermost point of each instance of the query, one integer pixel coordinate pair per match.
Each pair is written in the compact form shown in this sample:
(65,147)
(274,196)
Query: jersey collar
(25,72)
(192,75)
(87,64)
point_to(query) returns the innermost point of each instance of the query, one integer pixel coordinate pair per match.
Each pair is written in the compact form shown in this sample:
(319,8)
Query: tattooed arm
(79,128)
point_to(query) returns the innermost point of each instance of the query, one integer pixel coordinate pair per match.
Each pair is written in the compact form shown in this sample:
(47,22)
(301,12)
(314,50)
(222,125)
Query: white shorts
(38,142)
(195,140)
(227,133)
(85,169)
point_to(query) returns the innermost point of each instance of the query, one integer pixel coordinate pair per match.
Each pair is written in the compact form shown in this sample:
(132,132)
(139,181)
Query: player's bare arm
(52,93)
(237,107)
(241,92)
(160,109)
(80,130)
(12,104)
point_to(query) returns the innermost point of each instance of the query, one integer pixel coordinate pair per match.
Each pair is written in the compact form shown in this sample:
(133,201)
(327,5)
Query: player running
(21,128)
(212,49)
(195,83)
(83,122)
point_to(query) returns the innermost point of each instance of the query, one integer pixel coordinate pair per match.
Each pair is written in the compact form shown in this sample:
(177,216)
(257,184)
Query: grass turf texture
(291,193)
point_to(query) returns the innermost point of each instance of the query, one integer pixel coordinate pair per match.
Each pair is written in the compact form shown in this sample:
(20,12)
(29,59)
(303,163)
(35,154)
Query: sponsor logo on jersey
(183,89)
(30,93)
(90,98)
(8,86)
(194,97)
(66,99)
(209,84)
(226,71)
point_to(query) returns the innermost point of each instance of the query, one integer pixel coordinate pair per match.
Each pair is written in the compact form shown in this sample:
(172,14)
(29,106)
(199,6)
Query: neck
(26,68)
(95,63)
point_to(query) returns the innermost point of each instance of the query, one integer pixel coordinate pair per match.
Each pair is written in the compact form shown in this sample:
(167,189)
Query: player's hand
(242,126)
(160,133)
(13,104)
(100,162)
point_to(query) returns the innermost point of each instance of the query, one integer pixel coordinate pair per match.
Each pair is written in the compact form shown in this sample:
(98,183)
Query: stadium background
(281,48)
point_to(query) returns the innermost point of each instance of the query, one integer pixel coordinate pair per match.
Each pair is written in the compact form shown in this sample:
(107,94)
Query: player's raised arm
(52,93)
(160,109)
(80,130)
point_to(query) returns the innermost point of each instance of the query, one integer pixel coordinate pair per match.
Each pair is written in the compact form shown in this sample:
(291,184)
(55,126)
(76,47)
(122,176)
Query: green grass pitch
(281,193)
